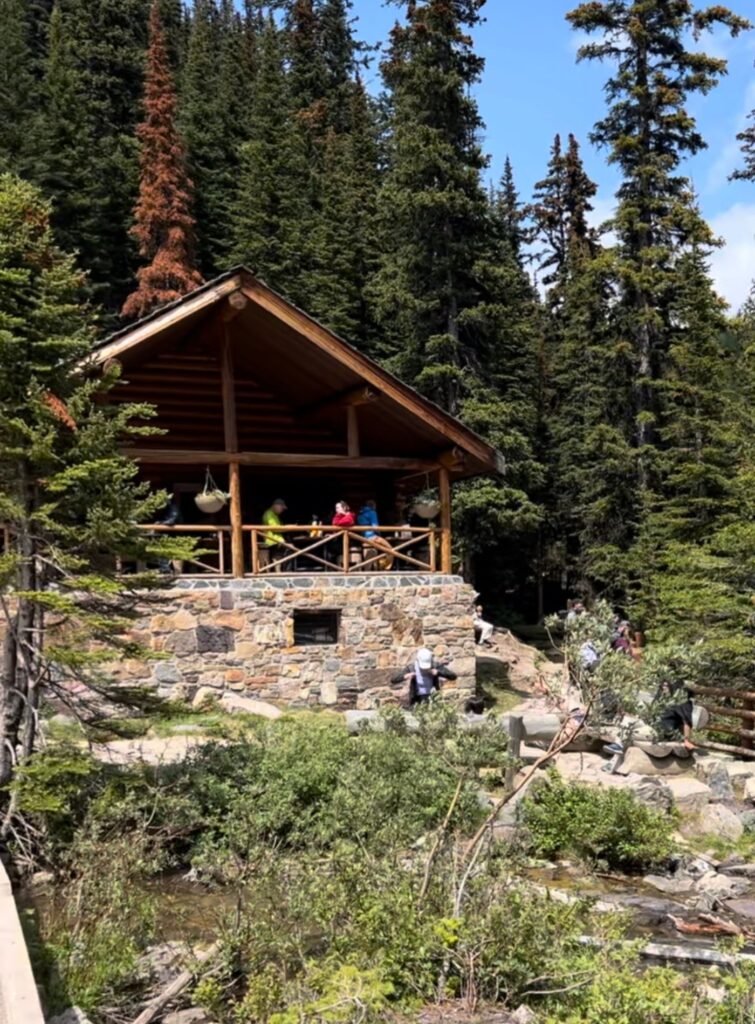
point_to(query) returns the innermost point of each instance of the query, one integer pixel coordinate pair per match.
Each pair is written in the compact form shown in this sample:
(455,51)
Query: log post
(516,735)
(352,431)
(232,446)
(444,487)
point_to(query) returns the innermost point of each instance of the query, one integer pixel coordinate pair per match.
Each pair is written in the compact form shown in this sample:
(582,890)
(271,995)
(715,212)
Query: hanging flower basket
(211,498)
(426,509)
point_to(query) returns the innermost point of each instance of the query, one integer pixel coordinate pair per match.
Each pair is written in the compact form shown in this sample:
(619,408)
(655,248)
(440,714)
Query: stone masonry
(239,635)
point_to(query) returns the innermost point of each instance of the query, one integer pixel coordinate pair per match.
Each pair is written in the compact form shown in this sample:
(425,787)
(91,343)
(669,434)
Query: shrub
(607,826)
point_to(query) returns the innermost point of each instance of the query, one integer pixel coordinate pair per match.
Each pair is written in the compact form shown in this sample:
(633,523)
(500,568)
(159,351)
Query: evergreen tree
(339,55)
(17,87)
(347,237)
(201,127)
(108,40)
(747,138)
(69,498)
(648,131)
(216,98)
(163,224)
(269,204)
(433,209)
(63,140)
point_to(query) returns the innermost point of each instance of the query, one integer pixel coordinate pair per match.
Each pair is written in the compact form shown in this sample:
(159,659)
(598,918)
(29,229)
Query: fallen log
(709,924)
(175,987)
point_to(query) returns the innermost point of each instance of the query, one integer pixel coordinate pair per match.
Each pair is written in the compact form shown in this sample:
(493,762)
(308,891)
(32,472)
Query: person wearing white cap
(423,676)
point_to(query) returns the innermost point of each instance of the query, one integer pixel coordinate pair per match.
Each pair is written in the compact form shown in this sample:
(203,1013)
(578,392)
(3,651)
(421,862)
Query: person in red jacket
(343,515)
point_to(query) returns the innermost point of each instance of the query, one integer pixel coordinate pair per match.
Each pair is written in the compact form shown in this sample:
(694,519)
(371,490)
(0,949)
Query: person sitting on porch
(373,542)
(368,517)
(423,676)
(343,516)
(274,543)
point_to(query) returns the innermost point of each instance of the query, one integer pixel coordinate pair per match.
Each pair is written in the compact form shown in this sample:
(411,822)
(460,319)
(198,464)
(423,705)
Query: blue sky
(532,88)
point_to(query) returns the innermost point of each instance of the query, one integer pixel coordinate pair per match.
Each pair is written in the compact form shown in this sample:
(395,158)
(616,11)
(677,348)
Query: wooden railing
(289,549)
(724,703)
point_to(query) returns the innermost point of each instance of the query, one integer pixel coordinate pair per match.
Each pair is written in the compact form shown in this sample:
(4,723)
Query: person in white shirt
(483,629)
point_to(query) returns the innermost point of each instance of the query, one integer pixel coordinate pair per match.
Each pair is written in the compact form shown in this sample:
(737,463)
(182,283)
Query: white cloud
(730,156)
(733,266)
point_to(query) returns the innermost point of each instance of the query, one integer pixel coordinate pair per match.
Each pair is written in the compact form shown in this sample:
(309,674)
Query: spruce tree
(163,223)
(68,496)
(17,86)
(648,131)
(202,130)
(347,236)
(432,206)
(63,141)
(269,208)
(109,40)
(747,139)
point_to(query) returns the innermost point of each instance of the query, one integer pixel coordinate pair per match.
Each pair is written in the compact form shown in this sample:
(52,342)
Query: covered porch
(276,406)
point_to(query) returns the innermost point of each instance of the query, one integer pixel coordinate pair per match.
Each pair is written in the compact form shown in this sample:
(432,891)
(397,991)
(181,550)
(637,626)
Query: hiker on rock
(483,630)
(423,676)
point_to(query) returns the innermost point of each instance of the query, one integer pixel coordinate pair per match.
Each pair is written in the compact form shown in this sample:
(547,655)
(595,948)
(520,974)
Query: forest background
(597,356)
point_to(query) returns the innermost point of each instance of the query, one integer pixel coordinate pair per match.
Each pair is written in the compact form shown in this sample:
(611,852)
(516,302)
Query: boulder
(742,908)
(653,792)
(740,774)
(749,789)
(639,762)
(191,1015)
(718,820)
(690,795)
(73,1015)
(523,1015)
(537,727)
(748,820)
(249,706)
(672,886)
(205,695)
(720,785)
(721,886)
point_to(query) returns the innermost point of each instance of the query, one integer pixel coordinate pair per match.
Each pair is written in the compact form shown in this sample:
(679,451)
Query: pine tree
(163,224)
(68,496)
(747,138)
(108,41)
(63,142)
(339,51)
(269,205)
(648,131)
(433,209)
(17,86)
(588,494)
(347,236)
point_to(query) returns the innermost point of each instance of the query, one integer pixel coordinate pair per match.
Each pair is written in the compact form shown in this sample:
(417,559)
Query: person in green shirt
(272,517)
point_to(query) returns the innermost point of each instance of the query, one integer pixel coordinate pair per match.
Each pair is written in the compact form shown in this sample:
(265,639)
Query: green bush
(605,826)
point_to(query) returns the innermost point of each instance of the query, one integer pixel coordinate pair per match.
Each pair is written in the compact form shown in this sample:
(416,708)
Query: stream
(191,911)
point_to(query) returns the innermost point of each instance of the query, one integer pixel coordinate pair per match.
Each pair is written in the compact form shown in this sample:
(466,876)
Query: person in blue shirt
(368,517)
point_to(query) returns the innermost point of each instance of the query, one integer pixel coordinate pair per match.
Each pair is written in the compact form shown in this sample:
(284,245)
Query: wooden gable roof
(289,366)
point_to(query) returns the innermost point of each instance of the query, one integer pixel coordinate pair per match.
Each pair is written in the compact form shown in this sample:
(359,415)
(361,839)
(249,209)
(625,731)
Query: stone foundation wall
(238,635)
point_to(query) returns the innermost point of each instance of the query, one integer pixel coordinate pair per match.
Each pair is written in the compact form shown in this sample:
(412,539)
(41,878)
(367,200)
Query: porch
(274,404)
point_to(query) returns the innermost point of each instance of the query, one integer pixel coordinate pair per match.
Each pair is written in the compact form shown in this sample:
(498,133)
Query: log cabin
(256,400)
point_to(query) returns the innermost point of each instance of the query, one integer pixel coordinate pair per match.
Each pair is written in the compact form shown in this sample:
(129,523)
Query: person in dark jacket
(424,676)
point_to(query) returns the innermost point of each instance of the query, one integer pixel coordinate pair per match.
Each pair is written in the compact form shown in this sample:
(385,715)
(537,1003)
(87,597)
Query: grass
(721,848)
(495,688)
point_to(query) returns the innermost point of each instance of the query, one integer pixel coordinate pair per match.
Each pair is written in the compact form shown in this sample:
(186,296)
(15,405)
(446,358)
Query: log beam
(444,489)
(353,397)
(191,457)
